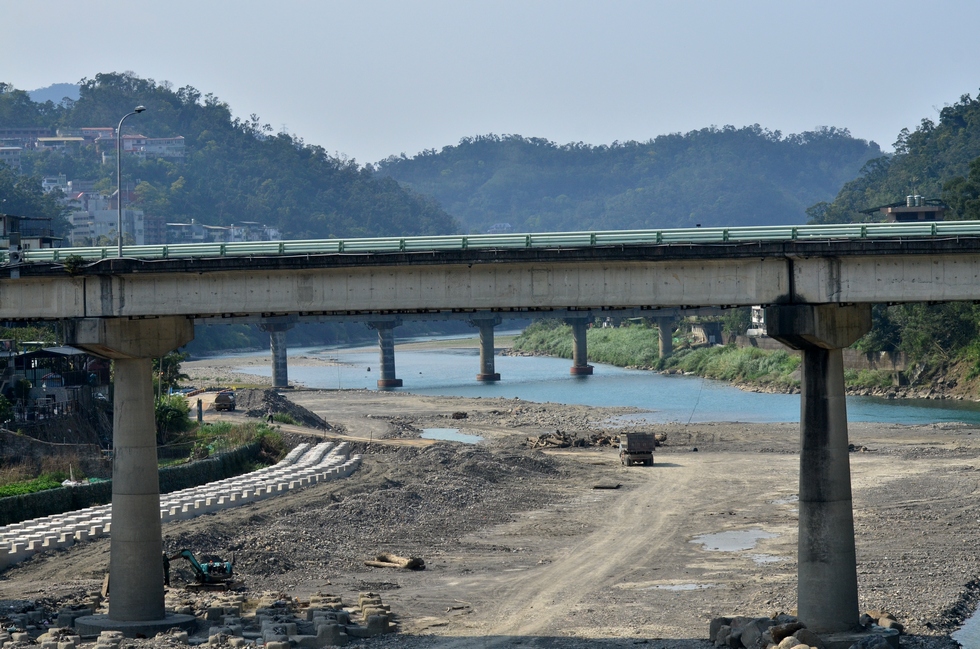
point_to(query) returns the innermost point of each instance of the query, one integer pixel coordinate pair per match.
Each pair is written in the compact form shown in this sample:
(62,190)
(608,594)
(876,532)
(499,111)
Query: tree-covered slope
(234,170)
(726,176)
(932,161)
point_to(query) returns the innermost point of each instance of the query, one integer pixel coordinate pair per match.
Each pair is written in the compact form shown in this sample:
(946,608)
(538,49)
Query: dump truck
(636,448)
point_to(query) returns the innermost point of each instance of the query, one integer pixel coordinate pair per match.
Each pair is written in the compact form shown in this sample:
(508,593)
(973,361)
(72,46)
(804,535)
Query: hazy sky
(371,78)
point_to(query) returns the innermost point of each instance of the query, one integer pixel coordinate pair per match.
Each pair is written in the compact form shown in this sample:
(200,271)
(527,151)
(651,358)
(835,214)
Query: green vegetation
(233,170)
(738,364)
(868,379)
(714,176)
(170,412)
(284,418)
(931,161)
(209,439)
(40,483)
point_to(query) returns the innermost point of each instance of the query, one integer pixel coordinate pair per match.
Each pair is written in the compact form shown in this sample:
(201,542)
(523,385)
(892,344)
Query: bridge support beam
(386,343)
(277,344)
(486,325)
(580,346)
(827,595)
(136,547)
(665,336)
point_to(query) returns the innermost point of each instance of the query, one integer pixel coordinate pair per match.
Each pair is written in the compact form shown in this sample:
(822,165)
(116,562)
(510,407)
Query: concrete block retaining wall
(303,466)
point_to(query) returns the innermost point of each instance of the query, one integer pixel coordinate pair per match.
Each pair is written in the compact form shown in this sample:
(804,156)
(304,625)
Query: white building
(10,156)
(88,226)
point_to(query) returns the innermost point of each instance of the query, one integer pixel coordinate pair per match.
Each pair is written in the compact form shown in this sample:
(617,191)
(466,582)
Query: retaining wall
(15,509)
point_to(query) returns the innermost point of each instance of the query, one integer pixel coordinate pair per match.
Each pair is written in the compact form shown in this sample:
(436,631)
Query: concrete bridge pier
(135,561)
(277,344)
(580,346)
(386,343)
(827,594)
(486,325)
(665,336)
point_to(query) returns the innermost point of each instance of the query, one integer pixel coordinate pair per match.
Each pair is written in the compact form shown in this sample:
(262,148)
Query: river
(665,398)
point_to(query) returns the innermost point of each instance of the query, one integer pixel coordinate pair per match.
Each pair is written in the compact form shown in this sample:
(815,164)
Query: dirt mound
(258,403)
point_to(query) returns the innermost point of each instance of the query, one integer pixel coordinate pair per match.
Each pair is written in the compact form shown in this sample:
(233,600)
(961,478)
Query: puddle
(968,635)
(733,541)
(681,587)
(785,501)
(766,558)
(450,435)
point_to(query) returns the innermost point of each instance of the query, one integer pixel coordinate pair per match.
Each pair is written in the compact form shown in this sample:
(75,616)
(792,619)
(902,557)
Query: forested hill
(234,170)
(714,176)
(936,160)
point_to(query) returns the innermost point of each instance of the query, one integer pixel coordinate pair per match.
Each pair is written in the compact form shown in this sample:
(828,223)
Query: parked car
(225,400)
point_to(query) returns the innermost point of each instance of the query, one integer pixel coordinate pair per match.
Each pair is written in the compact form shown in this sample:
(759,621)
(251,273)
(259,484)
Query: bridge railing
(524,240)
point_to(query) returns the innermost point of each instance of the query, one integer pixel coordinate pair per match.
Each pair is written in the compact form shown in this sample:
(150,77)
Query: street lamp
(119,233)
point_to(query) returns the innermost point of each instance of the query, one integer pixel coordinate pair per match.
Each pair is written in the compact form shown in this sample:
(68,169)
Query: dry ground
(521,549)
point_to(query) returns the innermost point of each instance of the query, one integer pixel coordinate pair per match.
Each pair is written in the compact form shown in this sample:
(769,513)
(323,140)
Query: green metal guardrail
(528,240)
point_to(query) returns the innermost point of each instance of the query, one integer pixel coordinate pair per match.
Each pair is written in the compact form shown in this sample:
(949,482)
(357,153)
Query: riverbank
(521,548)
(748,368)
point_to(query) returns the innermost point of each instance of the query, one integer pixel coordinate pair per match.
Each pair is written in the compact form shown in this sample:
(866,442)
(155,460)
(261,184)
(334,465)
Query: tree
(963,194)
(170,412)
(167,369)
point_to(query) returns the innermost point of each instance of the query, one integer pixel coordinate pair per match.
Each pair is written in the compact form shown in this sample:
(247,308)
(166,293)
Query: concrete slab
(93,625)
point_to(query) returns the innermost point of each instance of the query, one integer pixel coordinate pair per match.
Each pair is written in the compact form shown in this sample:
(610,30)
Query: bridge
(818,283)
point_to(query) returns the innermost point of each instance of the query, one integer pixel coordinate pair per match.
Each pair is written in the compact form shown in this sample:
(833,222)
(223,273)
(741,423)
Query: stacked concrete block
(305,465)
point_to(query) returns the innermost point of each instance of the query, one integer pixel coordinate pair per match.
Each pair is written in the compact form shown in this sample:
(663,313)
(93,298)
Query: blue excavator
(209,575)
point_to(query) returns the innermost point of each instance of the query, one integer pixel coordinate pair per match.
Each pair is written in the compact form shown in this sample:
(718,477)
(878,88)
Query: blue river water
(665,398)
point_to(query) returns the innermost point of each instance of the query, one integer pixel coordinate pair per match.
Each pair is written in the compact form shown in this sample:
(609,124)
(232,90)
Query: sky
(367,79)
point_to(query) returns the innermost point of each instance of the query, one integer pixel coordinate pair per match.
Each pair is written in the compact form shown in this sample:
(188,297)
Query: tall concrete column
(486,325)
(136,548)
(277,344)
(386,343)
(580,346)
(827,595)
(665,336)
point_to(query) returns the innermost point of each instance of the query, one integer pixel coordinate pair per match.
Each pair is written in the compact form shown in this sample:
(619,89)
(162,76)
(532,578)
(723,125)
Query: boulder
(781,631)
(789,642)
(721,637)
(891,623)
(716,624)
(752,633)
(808,637)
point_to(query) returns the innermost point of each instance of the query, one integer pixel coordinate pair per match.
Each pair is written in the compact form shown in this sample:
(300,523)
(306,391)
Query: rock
(716,624)
(781,631)
(721,638)
(789,642)
(891,623)
(866,620)
(808,637)
(752,633)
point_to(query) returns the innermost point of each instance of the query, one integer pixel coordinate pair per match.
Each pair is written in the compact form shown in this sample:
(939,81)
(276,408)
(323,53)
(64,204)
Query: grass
(746,364)
(868,379)
(40,483)
(284,418)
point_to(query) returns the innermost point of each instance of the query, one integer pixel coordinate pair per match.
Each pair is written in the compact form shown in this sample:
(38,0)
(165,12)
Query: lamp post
(119,233)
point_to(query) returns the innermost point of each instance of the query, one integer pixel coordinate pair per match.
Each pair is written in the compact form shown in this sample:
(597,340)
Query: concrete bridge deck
(818,281)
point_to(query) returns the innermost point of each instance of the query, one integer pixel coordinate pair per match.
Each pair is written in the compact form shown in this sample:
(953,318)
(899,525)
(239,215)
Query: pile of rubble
(879,630)
(258,403)
(276,621)
(560,439)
